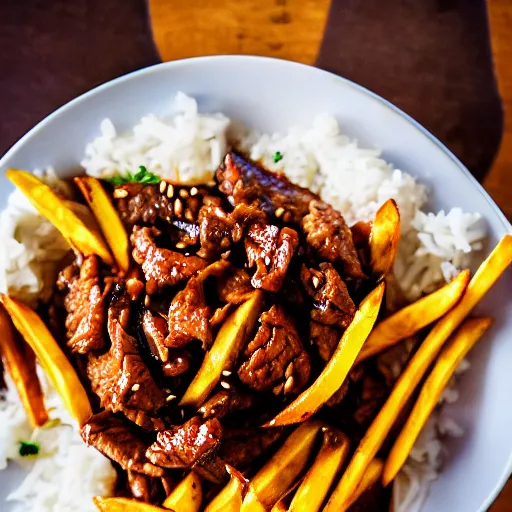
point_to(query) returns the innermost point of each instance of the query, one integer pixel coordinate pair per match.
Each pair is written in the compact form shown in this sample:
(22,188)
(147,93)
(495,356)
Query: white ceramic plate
(271,95)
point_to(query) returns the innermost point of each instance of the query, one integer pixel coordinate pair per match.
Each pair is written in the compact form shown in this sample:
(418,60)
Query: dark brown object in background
(431,58)
(52,51)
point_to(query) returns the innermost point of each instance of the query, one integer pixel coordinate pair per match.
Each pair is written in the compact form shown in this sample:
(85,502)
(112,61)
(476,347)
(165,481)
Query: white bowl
(271,95)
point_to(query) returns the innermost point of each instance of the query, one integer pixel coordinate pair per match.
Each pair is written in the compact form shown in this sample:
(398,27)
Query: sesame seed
(120,193)
(170,398)
(147,301)
(272,422)
(289,370)
(267,260)
(181,245)
(211,183)
(178,208)
(182,413)
(189,215)
(288,386)
(316,281)
(201,410)
(193,191)
(170,191)
(279,211)
(226,373)
(167,390)
(184,193)
(163,186)
(135,387)
(225,385)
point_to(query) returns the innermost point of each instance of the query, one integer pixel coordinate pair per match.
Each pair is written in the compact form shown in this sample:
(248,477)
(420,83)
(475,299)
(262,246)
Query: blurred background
(447,63)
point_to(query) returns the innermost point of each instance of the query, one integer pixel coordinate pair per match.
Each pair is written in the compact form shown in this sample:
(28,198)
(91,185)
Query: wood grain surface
(293,29)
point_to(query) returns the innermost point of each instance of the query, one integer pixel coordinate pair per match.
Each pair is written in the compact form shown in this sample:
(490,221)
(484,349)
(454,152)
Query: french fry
(384,237)
(186,496)
(53,361)
(463,340)
(106,504)
(19,361)
(411,319)
(487,274)
(57,211)
(108,219)
(251,503)
(370,478)
(336,370)
(230,339)
(314,487)
(274,479)
(230,498)
(280,506)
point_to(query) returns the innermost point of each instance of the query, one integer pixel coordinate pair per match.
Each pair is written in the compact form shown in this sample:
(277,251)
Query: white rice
(189,147)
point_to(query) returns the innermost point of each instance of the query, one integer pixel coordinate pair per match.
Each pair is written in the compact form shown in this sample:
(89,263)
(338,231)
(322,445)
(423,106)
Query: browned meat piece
(161,267)
(218,230)
(275,359)
(143,487)
(235,286)
(325,337)
(178,364)
(244,181)
(188,316)
(146,204)
(155,330)
(219,315)
(226,402)
(120,441)
(330,237)
(85,306)
(271,250)
(241,447)
(184,446)
(331,302)
(120,378)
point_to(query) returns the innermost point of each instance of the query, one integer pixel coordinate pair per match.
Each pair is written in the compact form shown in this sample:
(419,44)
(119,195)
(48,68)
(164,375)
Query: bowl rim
(198,61)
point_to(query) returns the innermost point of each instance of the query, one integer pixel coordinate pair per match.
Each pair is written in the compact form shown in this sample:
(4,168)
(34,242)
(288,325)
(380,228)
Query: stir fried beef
(270,250)
(235,286)
(188,316)
(325,338)
(161,267)
(226,402)
(155,330)
(85,305)
(120,377)
(330,237)
(247,182)
(120,441)
(241,447)
(184,446)
(331,301)
(275,359)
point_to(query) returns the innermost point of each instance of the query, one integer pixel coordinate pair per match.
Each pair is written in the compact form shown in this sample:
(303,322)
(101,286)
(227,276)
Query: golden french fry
(316,484)
(229,341)
(280,506)
(411,319)
(58,212)
(384,237)
(108,219)
(231,496)
(370,478)
(187,495)
(463,340)
(336,370)
(274,479)
(251,503)
(486,275)
(106,504)
(53,361)
(19,361)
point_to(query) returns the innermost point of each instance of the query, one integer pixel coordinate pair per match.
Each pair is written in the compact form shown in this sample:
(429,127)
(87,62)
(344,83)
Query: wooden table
(263,27)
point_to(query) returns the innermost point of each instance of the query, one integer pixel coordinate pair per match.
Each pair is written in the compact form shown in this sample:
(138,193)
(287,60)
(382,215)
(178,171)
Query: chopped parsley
(28,448)
(277,156)
(143,176)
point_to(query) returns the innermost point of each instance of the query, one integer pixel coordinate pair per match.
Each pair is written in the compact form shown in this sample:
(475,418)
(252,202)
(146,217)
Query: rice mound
(188,147)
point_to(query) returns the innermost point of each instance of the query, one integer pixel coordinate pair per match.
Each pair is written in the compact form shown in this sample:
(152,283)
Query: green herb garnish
(143,176)
(277,156)
(28,448)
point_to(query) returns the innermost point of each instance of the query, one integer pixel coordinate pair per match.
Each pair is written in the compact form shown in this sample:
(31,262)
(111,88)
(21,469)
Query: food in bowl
(238,322)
